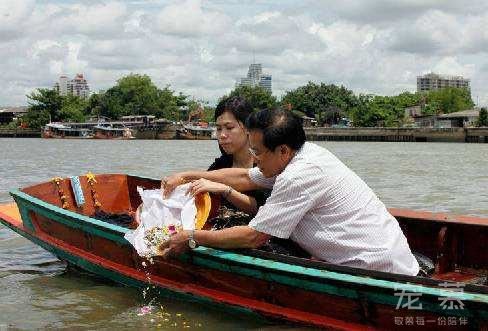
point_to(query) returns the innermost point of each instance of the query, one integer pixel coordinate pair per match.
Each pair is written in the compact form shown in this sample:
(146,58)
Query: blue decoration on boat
(76,186)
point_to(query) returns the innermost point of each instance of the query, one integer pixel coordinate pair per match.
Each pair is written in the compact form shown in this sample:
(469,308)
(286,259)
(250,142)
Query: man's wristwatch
(191,241)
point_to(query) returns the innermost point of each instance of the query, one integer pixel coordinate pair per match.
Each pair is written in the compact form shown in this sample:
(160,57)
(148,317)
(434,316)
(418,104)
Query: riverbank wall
(471,135)
(20,133)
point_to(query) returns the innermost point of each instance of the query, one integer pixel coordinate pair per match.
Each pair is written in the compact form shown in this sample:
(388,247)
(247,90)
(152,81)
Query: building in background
(63,85)
(76,86)
(9,114)
(255,77)
(434,81)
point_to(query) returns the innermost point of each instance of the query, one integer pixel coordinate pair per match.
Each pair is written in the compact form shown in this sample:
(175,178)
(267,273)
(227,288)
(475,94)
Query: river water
(37,291)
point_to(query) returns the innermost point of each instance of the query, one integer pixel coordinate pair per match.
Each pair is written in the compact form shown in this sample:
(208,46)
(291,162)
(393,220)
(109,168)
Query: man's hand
(169,183)
(204,185)
(176,245)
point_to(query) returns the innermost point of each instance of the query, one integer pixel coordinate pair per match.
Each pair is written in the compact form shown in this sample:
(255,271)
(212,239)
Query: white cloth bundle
(178,210)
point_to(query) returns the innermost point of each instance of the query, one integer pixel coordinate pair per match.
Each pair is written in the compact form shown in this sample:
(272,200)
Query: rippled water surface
(38,291)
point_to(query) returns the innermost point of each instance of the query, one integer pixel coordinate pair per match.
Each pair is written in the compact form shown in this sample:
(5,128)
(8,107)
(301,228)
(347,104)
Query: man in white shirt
(316,201)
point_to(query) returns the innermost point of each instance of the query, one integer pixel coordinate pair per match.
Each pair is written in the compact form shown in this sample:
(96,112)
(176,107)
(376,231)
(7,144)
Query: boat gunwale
(303,267)
(442,218)
(311,273)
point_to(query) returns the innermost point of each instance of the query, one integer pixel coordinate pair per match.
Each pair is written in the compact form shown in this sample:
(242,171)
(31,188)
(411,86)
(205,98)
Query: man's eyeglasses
(255,153)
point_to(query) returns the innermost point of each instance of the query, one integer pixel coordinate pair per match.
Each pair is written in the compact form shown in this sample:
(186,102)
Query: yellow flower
(56,180)
(90,177)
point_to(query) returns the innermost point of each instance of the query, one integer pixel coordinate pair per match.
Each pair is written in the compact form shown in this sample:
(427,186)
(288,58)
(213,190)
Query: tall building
(76,86)
(79,87)
(63,85)
(255,77)
(434,81)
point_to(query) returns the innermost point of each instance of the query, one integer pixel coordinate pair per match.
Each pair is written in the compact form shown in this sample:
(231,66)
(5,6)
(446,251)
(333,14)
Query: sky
(201,48)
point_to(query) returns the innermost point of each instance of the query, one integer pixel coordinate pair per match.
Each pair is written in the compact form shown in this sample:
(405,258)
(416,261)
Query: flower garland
(90,178)
(57,181)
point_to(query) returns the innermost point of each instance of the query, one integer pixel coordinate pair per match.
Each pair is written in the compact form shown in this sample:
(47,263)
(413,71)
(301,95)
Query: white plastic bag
(178,212)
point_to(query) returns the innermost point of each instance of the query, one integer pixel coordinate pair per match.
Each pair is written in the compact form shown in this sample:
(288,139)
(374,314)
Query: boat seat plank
(462,277)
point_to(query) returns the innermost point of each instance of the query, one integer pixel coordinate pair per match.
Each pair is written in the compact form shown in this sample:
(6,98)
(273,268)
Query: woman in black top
(230,115)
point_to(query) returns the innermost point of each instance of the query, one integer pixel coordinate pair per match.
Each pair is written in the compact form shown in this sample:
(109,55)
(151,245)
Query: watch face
(192,243)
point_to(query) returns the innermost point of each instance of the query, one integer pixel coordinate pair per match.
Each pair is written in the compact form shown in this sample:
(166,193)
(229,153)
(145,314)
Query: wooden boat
(112,131)
(64,130)
(272,285)
(196,132)
(158,129)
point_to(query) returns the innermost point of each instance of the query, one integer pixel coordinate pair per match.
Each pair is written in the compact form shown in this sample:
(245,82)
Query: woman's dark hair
(237,106)
(278,127)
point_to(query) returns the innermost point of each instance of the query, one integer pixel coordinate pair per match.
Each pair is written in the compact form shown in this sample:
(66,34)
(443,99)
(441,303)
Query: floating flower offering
(160,317)
(145,310)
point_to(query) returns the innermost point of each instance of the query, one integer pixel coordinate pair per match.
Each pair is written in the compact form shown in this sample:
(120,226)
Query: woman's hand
(137,214)
(169,183)
(204,185)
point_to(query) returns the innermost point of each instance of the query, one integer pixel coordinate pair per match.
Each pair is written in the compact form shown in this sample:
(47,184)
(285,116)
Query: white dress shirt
(323,206)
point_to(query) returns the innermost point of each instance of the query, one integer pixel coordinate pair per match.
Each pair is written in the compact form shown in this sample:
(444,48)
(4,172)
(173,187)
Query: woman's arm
(237,178)
(241,201)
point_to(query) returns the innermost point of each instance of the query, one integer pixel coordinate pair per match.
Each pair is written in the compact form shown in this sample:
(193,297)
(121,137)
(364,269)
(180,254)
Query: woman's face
(231,134)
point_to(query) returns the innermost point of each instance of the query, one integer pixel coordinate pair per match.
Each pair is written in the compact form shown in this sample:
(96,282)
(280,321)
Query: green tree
(258,97)
(372,110)
(136,94)
(44,105)
(36,119)
(132,95)
(94,104)
(208,113)
(483,119)
(376,110)
(327,103)
(170,105)
(139,94)
(73,109)
(48,100)
(448,100)
(431,108)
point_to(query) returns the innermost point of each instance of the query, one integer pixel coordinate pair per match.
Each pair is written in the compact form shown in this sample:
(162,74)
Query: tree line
(136,94)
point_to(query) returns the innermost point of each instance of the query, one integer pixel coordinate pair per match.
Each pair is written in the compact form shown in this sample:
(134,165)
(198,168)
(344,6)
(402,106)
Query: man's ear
(285,150)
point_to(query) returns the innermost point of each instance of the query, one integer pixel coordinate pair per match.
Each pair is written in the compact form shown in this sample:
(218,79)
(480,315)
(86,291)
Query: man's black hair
(278,127)
(237,106)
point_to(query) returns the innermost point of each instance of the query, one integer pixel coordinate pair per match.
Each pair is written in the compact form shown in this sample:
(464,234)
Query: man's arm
(237,178)
(234,237)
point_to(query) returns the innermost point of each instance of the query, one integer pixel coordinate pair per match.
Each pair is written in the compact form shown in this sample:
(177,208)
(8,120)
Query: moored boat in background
(112,131)
(60,130)
(196,132)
